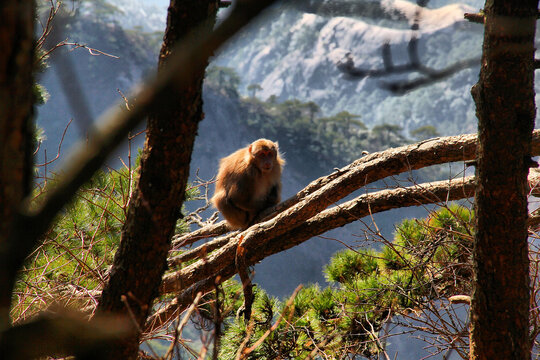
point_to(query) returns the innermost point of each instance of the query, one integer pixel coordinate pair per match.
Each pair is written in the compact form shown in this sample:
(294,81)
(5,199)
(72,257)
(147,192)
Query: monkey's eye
(264,153)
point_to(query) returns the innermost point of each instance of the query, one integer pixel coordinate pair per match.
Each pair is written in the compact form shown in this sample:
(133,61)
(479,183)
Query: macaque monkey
(248,182)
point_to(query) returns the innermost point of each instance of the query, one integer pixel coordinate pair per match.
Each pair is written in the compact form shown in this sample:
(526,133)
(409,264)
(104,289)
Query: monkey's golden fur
(248,181)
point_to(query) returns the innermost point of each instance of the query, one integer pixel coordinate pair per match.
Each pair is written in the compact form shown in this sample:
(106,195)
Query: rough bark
(505,108)
(16,135)
(172,126)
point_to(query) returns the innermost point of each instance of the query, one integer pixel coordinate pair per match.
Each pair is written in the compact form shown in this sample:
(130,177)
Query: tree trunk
(16,138)
(505,108)
(155,206)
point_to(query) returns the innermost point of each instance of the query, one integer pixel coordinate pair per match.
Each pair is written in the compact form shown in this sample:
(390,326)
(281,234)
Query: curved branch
(464,149)
(340,215)
(201,276)
(222,264)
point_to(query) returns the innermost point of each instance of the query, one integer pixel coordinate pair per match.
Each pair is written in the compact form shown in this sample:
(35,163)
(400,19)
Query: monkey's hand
(272,198)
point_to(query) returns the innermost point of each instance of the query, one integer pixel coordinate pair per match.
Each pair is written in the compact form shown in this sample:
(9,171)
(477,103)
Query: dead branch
(59,149)
(414,65)
(75,45)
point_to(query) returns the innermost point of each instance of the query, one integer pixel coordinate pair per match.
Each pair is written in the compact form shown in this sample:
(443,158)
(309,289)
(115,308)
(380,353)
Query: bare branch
(414,64)
(414,156)
(475,17)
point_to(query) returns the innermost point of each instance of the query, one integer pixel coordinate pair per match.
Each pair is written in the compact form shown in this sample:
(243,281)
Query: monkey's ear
(277,144)
(249,148)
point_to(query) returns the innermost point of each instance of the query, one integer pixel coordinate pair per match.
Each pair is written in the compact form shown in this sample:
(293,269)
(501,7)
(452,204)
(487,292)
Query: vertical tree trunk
(155,206)
(16,138)
(505,109)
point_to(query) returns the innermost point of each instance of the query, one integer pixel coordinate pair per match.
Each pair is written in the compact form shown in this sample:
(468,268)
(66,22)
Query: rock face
(292,54)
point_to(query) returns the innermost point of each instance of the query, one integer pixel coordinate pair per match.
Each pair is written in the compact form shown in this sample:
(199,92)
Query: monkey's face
(264,153)
(265,160)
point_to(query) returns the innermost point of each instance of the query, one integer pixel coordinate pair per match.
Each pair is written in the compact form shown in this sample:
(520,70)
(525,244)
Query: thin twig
(182,324)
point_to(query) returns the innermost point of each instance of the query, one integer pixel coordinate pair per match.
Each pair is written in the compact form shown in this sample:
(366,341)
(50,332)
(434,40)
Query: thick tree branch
(271,241)
(222,264)
(337,216)
(418,155)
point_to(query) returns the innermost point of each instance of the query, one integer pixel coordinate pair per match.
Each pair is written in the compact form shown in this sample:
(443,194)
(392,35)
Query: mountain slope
(295,55)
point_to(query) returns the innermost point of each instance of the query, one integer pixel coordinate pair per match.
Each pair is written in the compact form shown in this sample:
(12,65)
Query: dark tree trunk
(16,138)
(505,108)
(141,258)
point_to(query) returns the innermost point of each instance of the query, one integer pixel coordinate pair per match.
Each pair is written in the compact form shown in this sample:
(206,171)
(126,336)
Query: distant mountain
(295,55)
(148,15)
(293,52)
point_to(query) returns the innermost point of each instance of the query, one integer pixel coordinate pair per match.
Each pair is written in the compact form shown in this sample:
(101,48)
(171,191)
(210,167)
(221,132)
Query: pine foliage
(428,260)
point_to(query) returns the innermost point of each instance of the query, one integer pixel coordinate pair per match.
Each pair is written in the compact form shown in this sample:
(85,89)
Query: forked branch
(304,216)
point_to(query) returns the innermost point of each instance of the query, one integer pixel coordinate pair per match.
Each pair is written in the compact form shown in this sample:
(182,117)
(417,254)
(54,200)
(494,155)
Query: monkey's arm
(240,195)
(236,217)
(274,196)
